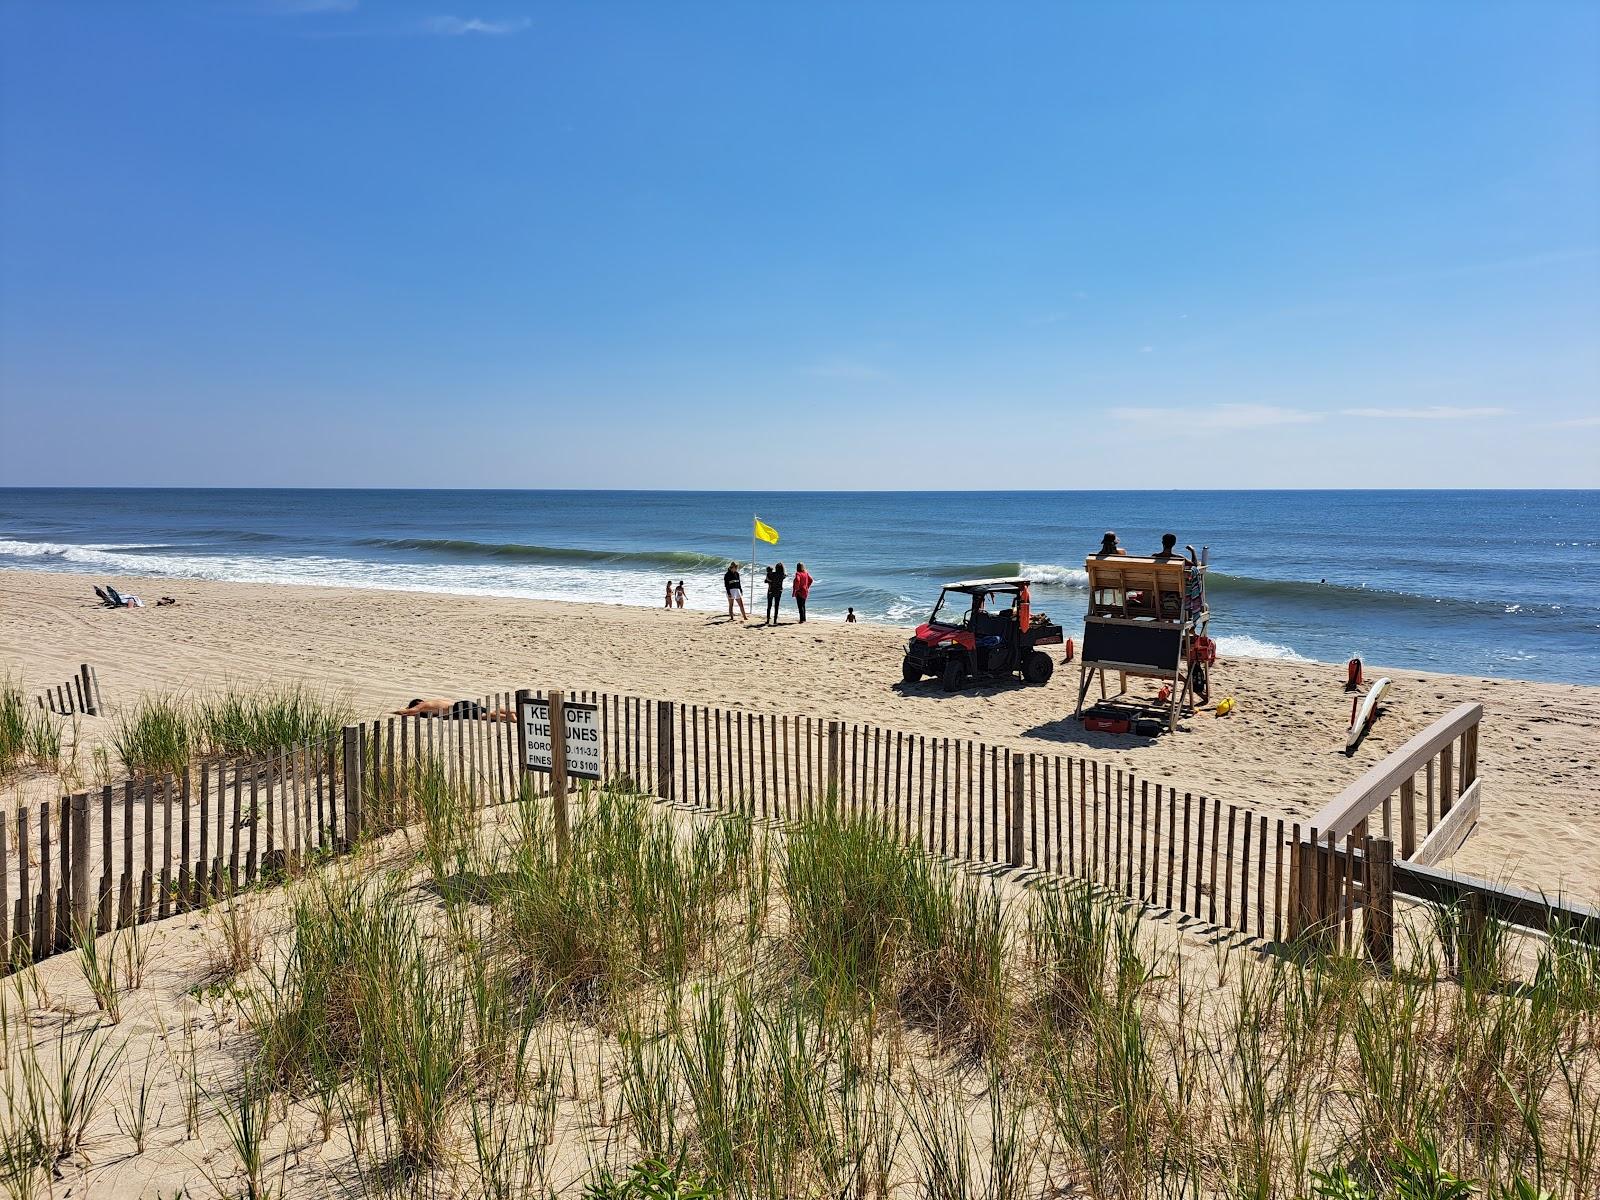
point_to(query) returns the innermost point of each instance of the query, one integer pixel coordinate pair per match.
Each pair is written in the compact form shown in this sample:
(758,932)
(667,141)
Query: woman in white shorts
(730,581)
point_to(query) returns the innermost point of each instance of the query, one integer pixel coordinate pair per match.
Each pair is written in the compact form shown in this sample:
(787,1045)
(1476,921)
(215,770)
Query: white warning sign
(582,738)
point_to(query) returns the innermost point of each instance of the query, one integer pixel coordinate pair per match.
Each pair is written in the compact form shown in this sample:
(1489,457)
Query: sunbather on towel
(454,710)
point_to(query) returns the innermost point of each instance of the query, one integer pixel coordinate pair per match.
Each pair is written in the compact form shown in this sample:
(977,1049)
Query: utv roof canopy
(973,586)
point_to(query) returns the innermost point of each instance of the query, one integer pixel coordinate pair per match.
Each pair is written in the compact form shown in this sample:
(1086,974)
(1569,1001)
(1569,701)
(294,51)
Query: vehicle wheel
(1038,668)
(953,675)
(909,671)
(1199,682)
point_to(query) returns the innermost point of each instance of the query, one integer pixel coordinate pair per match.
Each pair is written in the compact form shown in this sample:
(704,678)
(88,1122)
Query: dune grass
(29,736)
(708,1005)
(249,721)
(157,737)
(161,734)
(676,1005)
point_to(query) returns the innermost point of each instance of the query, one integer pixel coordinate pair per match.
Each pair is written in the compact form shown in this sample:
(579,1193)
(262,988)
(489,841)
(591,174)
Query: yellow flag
(766,532)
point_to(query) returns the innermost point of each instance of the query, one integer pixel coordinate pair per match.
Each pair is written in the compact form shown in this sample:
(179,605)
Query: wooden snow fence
(146,848)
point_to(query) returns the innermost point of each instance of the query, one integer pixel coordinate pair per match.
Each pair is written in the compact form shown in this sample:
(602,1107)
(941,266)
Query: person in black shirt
(730,581)
(775,578)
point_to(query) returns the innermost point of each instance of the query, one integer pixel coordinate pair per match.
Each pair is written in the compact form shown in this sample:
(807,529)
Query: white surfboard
(1363,709)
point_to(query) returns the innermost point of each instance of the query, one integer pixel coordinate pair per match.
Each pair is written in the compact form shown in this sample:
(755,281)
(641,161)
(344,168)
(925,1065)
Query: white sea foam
(529,581)
(1052,575)
(1245,646)
(904,609)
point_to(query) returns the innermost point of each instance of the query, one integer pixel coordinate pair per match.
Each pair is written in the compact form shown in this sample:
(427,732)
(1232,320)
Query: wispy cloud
(1216,416)
(444,25)
(1433,412)
(1575,423)
(465,26)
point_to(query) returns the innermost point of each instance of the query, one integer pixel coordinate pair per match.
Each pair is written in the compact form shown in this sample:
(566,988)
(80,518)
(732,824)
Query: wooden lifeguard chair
(1147,617)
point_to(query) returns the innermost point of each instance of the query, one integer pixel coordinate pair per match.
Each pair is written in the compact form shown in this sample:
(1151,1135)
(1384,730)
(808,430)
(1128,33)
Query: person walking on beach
(850,615)
(775,578)
(679,593)
(730,581)
(669,593)
(802,588)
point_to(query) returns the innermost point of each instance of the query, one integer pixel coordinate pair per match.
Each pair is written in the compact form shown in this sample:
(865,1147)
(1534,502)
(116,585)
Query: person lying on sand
(454,710)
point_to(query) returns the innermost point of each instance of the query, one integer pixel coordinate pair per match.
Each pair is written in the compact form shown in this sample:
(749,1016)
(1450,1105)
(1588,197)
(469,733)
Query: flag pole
(754,517)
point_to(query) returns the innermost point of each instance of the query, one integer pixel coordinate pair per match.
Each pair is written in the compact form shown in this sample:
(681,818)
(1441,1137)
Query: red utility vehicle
(982,629)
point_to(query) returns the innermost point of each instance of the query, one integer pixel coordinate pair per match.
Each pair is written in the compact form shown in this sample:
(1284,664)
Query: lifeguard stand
(1147,617)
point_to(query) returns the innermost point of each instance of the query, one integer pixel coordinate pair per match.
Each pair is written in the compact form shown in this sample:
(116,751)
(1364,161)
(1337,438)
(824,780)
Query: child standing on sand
(679,593)
(850,615)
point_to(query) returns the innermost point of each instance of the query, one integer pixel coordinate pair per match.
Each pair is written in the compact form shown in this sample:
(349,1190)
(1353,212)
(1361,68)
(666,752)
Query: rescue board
(1363,710)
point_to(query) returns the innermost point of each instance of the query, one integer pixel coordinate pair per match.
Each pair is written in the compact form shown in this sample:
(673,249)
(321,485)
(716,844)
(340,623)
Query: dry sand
(1281,751)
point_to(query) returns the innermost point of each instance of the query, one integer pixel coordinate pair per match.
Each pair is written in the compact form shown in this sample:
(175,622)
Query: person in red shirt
(802,589)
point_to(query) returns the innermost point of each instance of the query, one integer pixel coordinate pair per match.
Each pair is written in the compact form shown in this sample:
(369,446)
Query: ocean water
(1477,583)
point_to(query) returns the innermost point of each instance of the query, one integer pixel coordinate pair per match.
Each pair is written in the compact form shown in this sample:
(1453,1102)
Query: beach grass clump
(29,736)
(1105,1085)
(63,1092)
(761,1093)
(955,980)
(163,733)
(851,892)
(631,896)
(1069,938)
(250,721)
(158,737)
(875,921)
(367,997)
(449,829)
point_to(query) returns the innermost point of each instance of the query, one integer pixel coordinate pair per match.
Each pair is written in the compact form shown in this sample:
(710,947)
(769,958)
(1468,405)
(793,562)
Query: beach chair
(115,597)
(104,599)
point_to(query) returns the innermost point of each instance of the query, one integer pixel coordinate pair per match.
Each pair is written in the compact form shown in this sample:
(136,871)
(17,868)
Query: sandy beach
(1281,750)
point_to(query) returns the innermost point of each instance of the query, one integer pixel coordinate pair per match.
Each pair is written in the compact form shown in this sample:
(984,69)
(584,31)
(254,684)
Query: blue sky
(769,245)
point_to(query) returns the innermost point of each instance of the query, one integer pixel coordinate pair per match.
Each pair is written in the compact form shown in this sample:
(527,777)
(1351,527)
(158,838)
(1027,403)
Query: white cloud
(461,26)
(1216,416)
(1576,423)
(1433,412)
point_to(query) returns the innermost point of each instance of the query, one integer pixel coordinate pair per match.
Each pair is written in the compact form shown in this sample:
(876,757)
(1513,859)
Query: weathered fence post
(1302,904)
(558,770)
(1378,900)
(79,886)
(833,760)
(1472,935)
(44,926)
(354,754)
(522,697)
(1016,788)
(664,749)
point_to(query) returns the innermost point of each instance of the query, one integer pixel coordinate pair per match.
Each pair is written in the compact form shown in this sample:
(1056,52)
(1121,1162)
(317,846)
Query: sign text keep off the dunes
(582,737)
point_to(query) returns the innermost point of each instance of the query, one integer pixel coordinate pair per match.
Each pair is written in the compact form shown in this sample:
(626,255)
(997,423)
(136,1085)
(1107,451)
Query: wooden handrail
(1349,808)
(1513,905)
